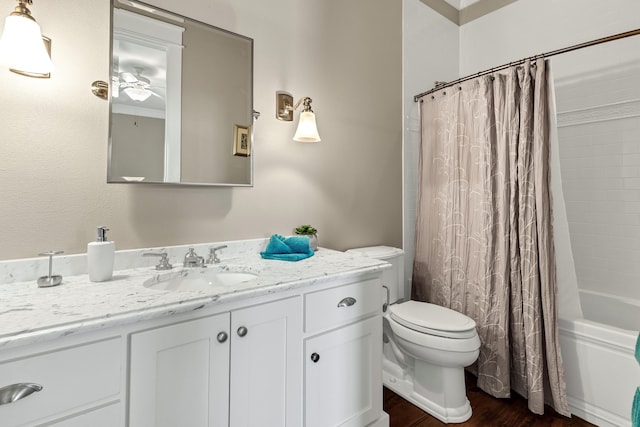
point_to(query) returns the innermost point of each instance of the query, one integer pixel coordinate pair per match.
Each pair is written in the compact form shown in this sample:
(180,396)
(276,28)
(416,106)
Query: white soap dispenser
(100,256)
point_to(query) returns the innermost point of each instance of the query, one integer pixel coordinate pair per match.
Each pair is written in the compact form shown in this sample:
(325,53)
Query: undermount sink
(199,279)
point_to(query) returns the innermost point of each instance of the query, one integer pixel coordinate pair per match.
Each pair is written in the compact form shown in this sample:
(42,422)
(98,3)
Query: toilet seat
(433,320)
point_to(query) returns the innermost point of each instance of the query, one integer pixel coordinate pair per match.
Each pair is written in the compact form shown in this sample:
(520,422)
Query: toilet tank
(393,277)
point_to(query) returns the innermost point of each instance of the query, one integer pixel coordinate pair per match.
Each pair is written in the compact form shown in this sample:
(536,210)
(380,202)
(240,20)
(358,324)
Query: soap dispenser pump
(100,255)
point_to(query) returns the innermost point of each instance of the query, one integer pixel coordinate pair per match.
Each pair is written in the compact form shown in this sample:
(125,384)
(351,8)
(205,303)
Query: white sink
(199,279)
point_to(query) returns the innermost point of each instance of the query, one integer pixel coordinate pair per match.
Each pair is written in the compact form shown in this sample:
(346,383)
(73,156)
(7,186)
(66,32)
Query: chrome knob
(222,337)
(242,331)
(315,357)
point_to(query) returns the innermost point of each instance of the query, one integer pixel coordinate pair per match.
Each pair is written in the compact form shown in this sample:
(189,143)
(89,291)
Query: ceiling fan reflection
(134,85)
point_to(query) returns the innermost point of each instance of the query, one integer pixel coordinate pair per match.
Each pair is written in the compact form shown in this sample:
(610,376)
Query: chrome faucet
(191,259)
(213,256)
(164,260)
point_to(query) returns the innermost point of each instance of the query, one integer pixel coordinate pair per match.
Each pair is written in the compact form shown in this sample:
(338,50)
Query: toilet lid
(433,319)
(377,252)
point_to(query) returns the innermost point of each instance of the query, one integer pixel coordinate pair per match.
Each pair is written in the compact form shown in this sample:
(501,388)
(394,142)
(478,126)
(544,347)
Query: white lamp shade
(307,130)
(22,47)
(137,94)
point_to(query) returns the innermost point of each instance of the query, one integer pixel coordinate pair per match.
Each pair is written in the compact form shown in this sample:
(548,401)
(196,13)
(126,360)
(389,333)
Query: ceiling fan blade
(128,77)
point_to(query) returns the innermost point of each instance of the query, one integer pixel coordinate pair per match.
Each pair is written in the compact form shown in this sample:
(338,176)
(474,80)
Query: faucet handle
(164,260)
(213,256)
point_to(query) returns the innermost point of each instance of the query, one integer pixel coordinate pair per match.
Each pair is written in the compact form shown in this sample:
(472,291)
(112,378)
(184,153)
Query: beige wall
(346,55)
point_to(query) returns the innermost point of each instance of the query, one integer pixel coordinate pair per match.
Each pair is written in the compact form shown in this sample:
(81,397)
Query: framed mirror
(181,100)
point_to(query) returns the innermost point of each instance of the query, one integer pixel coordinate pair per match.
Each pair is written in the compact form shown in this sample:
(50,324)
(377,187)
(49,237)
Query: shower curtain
(484,243)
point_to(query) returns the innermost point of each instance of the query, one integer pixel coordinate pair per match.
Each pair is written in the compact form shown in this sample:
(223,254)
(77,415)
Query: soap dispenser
(100,256)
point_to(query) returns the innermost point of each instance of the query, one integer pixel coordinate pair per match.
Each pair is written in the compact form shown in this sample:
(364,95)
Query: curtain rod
(635,32)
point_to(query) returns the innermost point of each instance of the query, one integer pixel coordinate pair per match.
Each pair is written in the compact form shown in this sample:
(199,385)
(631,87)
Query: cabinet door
(180,375)
(266,365)
(343,383)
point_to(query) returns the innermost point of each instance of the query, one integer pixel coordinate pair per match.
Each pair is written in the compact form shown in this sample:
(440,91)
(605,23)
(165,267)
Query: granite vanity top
(29,314)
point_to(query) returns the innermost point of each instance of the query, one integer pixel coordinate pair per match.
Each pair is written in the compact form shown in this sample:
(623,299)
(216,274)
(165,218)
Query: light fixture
(307,129)
(22,47)
(137,93)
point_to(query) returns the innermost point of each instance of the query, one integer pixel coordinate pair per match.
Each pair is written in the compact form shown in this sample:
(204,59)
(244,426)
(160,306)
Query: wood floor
(487,412)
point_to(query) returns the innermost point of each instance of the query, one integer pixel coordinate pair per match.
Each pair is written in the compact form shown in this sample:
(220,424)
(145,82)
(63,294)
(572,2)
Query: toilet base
(396,379)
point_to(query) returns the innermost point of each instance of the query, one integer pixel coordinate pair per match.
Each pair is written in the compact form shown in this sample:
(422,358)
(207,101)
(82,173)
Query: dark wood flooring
(487,412)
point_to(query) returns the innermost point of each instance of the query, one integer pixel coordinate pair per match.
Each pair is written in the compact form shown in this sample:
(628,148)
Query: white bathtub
(601,371)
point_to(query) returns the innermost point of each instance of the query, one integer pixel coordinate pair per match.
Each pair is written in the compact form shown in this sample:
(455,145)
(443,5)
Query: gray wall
(211,159)
(345,55)
(137,147)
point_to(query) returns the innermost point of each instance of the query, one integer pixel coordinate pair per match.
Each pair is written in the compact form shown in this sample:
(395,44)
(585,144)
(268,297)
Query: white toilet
(426,347)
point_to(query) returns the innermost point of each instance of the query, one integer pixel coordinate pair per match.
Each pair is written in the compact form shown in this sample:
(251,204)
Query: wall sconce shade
(307,130)
(22,47)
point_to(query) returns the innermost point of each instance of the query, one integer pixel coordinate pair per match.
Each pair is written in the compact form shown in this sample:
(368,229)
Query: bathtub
(601,371)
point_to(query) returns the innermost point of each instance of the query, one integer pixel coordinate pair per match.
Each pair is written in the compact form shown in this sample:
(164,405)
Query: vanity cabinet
(304,355)
(240,368)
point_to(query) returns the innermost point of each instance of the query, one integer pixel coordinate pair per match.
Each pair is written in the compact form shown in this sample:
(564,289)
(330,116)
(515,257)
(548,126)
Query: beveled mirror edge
(253,113)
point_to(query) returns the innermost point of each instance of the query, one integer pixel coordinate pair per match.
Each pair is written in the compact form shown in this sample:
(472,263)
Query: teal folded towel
(293,248)
(638,349)
(635,410)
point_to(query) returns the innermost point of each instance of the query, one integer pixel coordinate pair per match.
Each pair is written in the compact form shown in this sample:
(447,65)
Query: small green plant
(306,230)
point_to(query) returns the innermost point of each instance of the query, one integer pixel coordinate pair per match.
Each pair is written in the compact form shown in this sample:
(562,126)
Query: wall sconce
(22,47)
(307,130)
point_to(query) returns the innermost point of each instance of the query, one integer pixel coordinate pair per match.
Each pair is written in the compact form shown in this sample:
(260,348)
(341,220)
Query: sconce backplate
(284,106)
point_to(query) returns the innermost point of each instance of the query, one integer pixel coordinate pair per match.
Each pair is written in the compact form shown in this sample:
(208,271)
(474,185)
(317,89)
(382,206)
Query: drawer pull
(242,331)
(347,302)
(14,392)
(315,357)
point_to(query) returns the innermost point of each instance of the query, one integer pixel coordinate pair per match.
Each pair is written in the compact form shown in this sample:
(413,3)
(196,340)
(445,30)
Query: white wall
(346,55)
(530,27)
(430,53)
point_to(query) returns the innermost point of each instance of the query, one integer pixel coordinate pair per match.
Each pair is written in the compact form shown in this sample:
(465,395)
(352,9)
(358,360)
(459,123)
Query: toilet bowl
(430,370)
(426,347)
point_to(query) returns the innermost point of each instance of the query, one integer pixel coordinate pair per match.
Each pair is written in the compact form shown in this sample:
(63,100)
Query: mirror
(181,100)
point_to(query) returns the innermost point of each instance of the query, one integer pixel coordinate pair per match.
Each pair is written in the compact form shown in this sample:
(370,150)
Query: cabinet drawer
(337,306)
(70,378)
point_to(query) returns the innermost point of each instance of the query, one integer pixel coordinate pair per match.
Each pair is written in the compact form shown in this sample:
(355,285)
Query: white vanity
(297,344)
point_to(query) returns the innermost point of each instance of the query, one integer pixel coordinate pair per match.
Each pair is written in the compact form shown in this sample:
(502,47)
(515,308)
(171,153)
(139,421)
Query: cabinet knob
(222,337)
(242,331)
(315,357)
(14,392)
(347,302)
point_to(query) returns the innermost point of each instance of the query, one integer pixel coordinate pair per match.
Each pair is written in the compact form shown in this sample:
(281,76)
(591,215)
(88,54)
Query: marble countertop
(29,314)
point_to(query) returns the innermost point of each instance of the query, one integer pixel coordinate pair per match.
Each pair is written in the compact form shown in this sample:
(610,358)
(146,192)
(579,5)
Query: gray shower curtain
(484,243)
